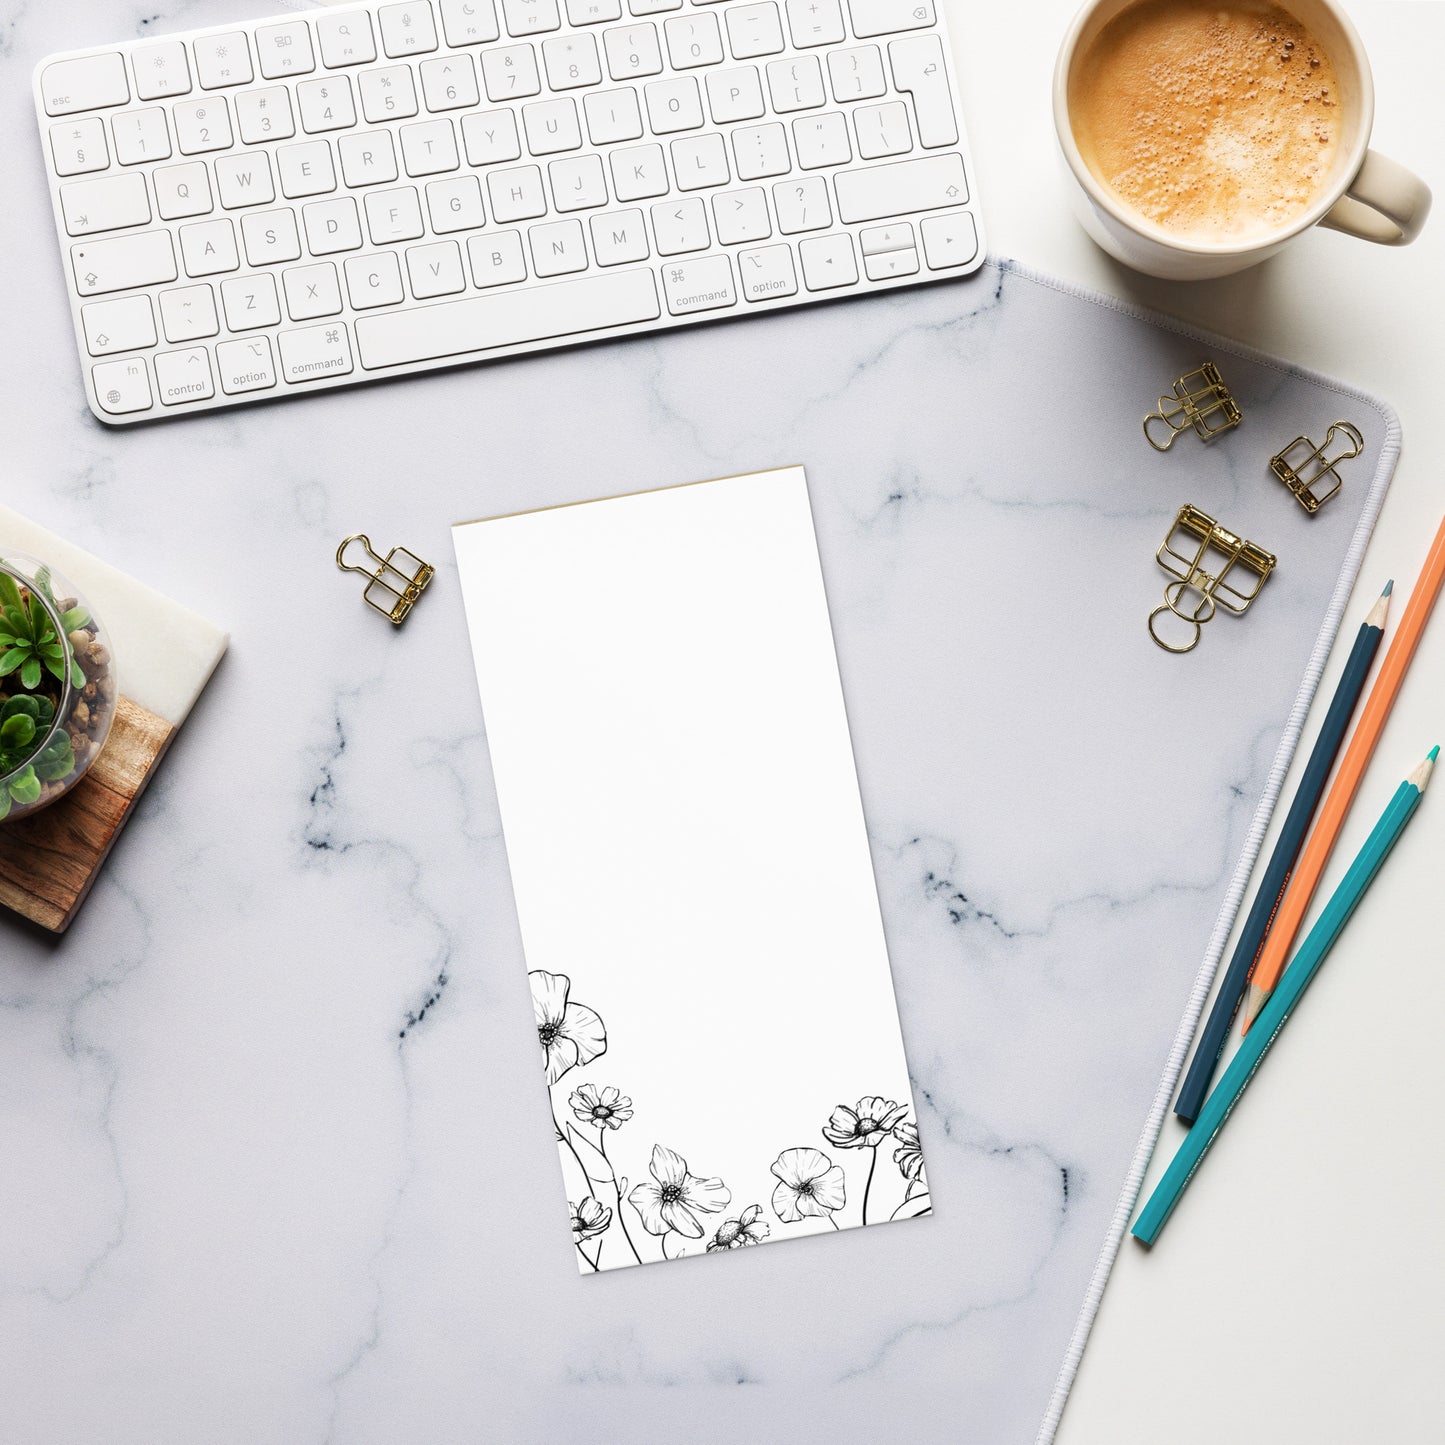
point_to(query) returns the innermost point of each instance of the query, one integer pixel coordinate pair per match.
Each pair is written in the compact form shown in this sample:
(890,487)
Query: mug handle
(1384,203)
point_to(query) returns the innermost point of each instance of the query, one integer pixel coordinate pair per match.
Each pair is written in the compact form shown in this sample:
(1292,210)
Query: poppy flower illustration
(571,1033)
(589,1218)
(909,1154)
(675,1197)
(607,1108)
(739,1233)
(808,1183)
(861,1128)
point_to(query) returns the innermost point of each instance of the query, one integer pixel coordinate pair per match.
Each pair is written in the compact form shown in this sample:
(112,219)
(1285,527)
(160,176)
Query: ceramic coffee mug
(1368,195)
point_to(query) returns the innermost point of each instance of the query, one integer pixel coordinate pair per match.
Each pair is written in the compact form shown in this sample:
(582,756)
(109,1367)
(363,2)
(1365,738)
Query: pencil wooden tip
(1256,1000)
(1381,610)
(1389,588)
(1421,776)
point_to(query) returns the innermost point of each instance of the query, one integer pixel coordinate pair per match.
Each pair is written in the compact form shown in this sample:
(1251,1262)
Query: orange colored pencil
(1332,815)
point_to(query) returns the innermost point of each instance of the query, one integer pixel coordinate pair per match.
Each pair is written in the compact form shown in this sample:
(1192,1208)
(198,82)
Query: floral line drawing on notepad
(669,1203)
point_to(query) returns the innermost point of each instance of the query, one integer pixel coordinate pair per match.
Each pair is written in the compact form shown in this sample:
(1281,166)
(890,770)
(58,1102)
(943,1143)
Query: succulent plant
(29,644)
(24,721)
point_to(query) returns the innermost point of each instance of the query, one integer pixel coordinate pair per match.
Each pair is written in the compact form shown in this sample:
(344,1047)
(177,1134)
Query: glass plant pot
(57,686)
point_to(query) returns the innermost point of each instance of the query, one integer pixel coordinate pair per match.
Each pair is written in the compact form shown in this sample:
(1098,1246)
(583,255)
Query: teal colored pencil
(1313,952)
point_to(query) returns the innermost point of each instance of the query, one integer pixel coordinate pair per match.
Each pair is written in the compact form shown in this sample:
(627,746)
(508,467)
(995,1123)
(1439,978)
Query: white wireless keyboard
(301,203)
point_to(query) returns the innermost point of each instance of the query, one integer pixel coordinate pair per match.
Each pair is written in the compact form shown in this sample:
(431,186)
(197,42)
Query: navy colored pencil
(1282,861)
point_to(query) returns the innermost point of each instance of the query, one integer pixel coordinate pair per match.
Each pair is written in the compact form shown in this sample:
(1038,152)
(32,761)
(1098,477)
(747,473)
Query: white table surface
(1308,1316)
(1296,1297)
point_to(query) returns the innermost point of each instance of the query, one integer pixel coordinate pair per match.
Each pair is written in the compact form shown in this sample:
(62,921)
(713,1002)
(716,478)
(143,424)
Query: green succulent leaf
(25,788)
(4,804)
(30,673)
(76,617)
(53,769)
(9,591)
(10,660)
(77,676)
(17,732)
(29,706)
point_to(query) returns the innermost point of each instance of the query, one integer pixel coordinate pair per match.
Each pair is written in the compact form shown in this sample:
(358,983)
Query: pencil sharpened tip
(1389,588)
(1433,753)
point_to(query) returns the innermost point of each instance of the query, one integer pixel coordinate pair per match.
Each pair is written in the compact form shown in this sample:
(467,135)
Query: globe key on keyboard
(307,201)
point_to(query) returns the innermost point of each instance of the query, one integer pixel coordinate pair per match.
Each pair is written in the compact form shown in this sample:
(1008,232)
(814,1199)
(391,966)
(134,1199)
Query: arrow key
(949,240)
(828,262)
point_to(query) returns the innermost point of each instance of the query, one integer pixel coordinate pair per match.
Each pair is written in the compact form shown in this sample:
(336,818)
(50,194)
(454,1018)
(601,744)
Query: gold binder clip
(1303,473)
(396,580)
(1195,540)
(1201,400)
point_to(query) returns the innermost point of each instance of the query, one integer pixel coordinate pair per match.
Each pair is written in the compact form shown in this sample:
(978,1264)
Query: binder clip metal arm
(1239,573)
(1200,401)
(394,582)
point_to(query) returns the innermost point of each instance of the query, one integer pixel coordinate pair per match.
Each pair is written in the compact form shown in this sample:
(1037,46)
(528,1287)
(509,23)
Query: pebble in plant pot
(57,686)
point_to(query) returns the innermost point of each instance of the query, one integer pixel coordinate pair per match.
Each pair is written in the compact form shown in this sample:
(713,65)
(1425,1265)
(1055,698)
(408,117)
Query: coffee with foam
(1217,122)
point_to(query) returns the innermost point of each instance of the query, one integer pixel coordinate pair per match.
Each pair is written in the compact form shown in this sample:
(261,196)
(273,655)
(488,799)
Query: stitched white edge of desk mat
(1264,810)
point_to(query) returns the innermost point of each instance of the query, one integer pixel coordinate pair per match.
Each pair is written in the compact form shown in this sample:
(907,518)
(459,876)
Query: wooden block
(49,860)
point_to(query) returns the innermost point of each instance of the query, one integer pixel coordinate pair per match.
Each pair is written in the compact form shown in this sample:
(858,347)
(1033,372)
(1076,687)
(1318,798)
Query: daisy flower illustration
(809,1183)
(607,1108)
(570,1033)
(741,1232)
(675,1198)
(909,1154)
(589,1218)
(866,1126)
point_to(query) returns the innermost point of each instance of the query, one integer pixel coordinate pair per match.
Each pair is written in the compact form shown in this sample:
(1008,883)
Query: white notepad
(691,868)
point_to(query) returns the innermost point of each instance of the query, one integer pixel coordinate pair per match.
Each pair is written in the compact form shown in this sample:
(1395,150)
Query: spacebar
(509,318)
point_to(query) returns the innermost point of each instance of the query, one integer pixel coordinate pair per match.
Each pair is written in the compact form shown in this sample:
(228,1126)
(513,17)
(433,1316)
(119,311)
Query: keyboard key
(516,195)
(802,205)
(245,365)
(332,226)
(530,17)
(244,180)
(188,313)
(202,125)
(741,216)
(508,318)
(652,7)
(767,273)
(497,258)
(183,376)
(314,352)
(306,169)
(557,248)
(183,191)
(223,60)
(632,51)
(326,104)
(918,68)
(828,262)
(209,247)
(270,236)
(680,226)
(393,216)
(250,301)
(108,203)
(373,280)
(822,140)
(673,105)
(161,70)
(876,239)
(449,83)
(124,324)
(265,114)
(856,74)
(593,12)
(551,126)
(815,22)
(510,72)
(367,158)
(612,115)
(429,147)
(285,50)
(490,136)
(89,82)
(456,205)
(638,172)
(882,130)
(140,136)
(311,291)
(699,162)
(879,17)
(693,40)
(345,39)
(408,29)
(79,146)
(469,22)
(888,264)
(754,30)
(578,183)
(436,270)
(703,283)
(122,263)
(949,240)
(618,237)
(796,84)
(387,94)
(571,61)
(734,95)
(761,150)
(122,386)
(928,184)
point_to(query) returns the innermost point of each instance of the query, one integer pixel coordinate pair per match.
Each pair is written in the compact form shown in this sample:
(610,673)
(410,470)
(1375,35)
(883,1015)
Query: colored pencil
(1313,952)
(1282,860)
(1321,843)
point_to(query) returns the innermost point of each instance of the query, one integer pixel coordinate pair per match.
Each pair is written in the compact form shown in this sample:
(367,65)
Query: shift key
(123,262)
(901,189)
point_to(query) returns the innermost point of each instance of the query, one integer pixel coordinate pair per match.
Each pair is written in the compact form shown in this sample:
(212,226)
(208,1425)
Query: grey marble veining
(276,1161)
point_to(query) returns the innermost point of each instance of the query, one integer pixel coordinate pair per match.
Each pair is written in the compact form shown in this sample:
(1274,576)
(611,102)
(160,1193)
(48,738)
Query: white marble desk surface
(1342,1307)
